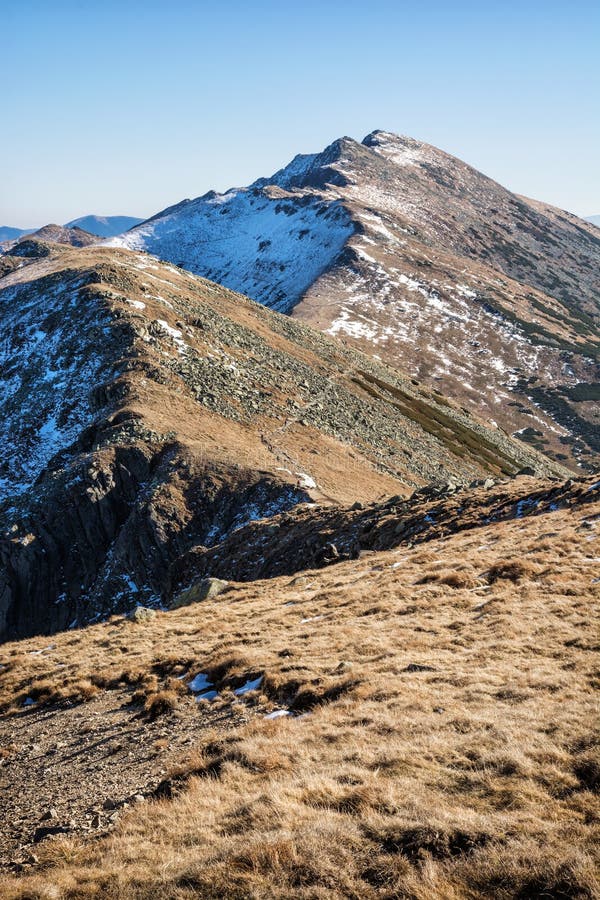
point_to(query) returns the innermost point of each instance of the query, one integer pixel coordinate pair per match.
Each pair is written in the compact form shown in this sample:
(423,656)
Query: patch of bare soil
(74,769)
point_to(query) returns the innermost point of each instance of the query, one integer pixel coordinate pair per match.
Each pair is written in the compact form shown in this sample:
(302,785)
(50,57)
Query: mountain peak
(421,260)
(313,169)
(400,148)
(374,138)
(380,136)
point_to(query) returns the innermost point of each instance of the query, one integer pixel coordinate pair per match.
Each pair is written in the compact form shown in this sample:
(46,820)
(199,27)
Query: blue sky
(127,107)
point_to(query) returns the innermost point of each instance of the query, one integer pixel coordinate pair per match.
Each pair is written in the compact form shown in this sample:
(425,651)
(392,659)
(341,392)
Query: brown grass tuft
(160,704)
(510,570)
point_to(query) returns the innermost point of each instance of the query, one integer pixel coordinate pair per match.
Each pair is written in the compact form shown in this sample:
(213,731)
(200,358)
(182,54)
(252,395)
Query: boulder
(204,589)
(141,614)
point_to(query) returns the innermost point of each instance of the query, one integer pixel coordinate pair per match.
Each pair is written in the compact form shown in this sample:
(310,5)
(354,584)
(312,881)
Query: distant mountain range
(8,233)
(102,226)
(423,262)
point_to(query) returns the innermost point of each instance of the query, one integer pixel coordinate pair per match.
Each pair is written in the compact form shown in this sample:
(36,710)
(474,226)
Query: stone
(48,831)
(142,614)
(396,499)
(204,589)
(272,528)
(49,814)
(344,666)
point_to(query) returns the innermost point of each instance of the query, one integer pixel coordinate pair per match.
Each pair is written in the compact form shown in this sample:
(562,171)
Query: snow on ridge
(271,249)
(175,334)
(299,167)
(388,308)
(51,357)
(399,149)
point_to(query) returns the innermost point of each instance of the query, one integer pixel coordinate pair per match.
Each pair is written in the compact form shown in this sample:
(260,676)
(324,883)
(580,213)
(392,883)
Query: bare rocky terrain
(425,263)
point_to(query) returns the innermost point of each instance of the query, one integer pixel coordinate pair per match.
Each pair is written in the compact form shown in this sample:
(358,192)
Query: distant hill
(104,226)
(62,234)
(28,244)
(8,233)
(101,226)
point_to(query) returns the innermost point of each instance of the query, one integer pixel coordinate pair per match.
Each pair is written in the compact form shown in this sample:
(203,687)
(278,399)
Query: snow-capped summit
(423,261)
(269,247)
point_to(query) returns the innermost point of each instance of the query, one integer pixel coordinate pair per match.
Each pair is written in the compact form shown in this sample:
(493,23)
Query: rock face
(420,260)
(147,412)
(311,539)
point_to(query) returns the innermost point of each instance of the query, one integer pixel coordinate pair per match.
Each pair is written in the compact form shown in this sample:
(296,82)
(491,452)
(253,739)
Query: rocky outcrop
(204,589)
(313,538)
(105,538)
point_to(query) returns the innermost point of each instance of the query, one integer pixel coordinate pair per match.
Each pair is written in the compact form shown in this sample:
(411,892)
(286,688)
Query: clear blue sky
(126,107)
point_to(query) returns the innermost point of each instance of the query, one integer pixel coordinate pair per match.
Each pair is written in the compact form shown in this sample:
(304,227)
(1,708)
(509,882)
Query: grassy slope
(473,776)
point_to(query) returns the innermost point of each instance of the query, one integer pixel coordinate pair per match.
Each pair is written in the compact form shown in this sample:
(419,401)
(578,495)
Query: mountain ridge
(414,256)
(148,411)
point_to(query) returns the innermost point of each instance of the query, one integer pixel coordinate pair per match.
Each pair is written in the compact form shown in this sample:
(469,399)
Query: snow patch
(251,685)
(271,249)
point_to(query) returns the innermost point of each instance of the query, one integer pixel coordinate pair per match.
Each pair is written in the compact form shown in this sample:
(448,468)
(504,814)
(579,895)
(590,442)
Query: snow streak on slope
(435,328)
(51,357)
(268,247)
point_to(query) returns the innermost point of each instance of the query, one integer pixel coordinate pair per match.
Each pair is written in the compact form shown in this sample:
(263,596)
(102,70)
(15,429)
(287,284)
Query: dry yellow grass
(445,742)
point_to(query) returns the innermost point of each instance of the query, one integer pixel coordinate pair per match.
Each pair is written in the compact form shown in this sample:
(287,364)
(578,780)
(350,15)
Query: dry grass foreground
(442,742)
